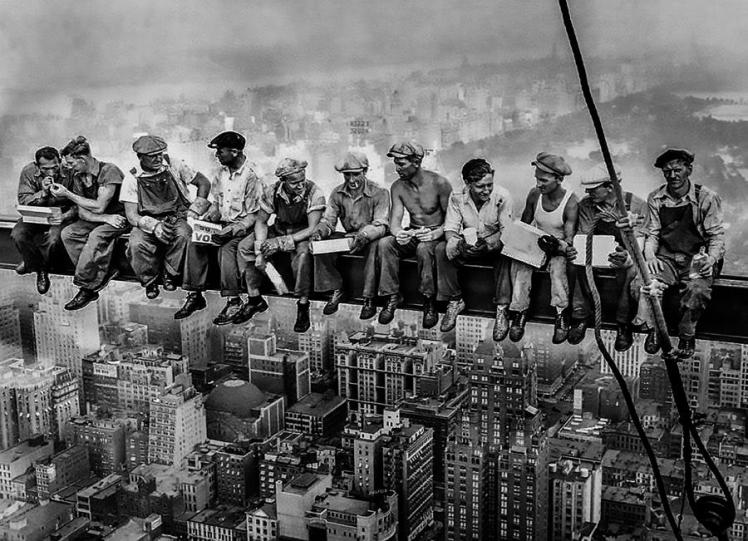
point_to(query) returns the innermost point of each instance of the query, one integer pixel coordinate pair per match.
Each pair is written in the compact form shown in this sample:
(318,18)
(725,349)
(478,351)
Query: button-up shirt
(30,191)
(589,212)
(368,212)
(236,194)
(101,174)
(183,175)
(462,212)
(707,215)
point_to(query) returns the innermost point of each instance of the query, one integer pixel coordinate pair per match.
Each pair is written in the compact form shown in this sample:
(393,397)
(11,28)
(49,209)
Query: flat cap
(405,149)
(149,144)
(353,162)
(228,139)
(550,163)
(674,154)
(289,166)
(598,177)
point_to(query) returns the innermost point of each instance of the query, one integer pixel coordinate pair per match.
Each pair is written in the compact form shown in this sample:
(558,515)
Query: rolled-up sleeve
(713,224)
(316,200)
(266,201)
(380,216)
(453,219)
(332,212)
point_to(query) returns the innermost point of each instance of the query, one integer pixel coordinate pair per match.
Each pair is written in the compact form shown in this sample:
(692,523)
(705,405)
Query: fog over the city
(70,46)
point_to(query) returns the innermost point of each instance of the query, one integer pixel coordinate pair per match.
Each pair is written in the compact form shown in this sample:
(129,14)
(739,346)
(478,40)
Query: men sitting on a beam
(363,208)
(598,213)
(475,220)
(157,202)
(297,204)
(37,242)
(236,194)
(684,246)
(90,240)
(553,209)
(425,195)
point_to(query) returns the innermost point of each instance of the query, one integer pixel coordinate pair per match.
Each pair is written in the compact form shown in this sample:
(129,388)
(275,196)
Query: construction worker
(38,242)
(425,195)
(236,192)
(363,208)
(684,246)
(90,240)
(553,209)
(157,203)
(598,213)
(297,204)
(475,219)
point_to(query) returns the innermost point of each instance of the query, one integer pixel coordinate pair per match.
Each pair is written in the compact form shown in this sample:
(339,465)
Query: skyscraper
(277,370)
(177,424)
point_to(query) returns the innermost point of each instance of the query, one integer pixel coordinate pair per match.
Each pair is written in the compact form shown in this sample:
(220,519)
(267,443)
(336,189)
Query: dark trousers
(197,262)
(301,265)
(625,309)
(390,253)
(90,246)
(695,293)
(35,243)
(149,256)
(327,276)
(449,284)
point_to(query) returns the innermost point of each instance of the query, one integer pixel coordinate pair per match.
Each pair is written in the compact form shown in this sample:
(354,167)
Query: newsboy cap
(599,177)
(228,139)
(149,144)
(405,149)
(674,154)
(550,163)
(289,166)
(353,162)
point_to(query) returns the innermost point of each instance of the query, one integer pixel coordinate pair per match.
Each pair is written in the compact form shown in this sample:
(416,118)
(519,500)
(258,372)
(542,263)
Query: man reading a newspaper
(90,239)
(363,208)
(598,214)
(157,202)
(552,209)
(37,242)
(236,192)
(425,195)
(475,220)
(297,204)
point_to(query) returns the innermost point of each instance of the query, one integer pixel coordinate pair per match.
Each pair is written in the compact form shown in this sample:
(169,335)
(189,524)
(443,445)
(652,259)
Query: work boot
(686,348)
(430,315)
(624,337)
(517,330)
(577,331)
(368,310)
(151,290)
(42,282)
(500,324)
(249,309)
(194,302)
(110,275)
(170,282)
(21,268)
(226,316)
(560,328)
(81,299)
(652,342)
(332,305)
(387,314)
(454,309)
(302,317)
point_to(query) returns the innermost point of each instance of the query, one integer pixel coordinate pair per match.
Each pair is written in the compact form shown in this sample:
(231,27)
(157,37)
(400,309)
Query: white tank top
(551,222)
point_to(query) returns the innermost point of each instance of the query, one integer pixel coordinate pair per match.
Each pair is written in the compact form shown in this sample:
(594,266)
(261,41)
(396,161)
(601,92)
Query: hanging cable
(716,513)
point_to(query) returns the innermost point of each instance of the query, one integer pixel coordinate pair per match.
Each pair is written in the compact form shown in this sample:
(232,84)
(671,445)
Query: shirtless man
(425,195)
(553,209)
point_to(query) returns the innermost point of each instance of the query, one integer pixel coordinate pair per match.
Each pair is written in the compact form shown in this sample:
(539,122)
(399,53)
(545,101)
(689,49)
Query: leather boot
(430,315)
(368,310)
(332,305)
(560,328)
(517,329)
(302,317)
(500,324)
(81,299)
(387,314)
(454,309)
(577,332)
(42,282)
(194,302)
(249,309)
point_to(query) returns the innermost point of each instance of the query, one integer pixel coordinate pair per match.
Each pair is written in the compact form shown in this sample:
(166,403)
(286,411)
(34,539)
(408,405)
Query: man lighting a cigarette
(363,208)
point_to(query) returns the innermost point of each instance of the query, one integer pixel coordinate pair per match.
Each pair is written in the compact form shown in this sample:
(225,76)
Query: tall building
(105,440)
(64,338)
(236,469)
(317,342)
(575,495)
(62,470)
(177,424)
(10,331)
(18,459)
(469,332)
(21,292)
(376,371)
(318,415)
(367,458)
(278,371)
(629,361)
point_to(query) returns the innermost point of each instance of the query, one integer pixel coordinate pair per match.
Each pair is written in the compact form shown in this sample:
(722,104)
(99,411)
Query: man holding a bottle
(684,245)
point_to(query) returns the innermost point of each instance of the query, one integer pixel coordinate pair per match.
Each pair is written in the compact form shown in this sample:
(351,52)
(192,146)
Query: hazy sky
(68,45)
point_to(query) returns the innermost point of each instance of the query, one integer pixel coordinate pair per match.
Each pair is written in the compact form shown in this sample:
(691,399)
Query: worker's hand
(426,235)
(403,237)
(454,247)
(223,236)
(47,183)
(655,266)
(360,240)
(260,262)
(164,232)
(115,220)
(270,247)
(655,288)
(549,244)
(58,190)
(619,258)
(318,233)
(571,253)
(630,220)
(707,266)
(55,220)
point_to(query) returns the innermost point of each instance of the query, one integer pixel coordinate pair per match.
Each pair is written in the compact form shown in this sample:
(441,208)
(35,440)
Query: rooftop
(225,516)
(316,404)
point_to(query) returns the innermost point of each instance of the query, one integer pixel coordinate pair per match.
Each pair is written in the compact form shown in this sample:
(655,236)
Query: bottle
(697,263)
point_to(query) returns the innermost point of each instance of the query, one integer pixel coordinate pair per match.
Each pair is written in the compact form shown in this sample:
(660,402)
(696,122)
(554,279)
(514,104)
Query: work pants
(197,262)
(300,260)
(327,276)
(90,246)
(522,284)
(390,253)
(149,257)
(449,284)
(36,243)
(581,308)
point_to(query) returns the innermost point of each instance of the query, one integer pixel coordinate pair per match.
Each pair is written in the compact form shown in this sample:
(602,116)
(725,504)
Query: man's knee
(68,234)
(20,232)
(698,293)
(427,249)
(388,245)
